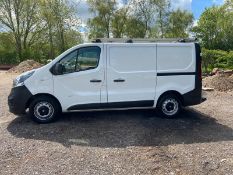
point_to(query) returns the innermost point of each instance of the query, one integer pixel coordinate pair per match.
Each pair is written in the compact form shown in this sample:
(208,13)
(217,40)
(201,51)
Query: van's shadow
(124,128)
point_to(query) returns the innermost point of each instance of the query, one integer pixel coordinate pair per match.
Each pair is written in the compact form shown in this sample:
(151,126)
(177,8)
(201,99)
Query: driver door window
(80,60)
(88,58)
(69,63)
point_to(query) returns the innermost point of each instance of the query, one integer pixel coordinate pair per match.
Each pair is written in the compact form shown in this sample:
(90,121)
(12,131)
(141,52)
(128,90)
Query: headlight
(19,81)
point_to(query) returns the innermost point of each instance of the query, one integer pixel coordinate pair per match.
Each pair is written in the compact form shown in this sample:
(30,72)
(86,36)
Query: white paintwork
(76,88)
(180,83)
(138,64)
(176,57)
(41,81)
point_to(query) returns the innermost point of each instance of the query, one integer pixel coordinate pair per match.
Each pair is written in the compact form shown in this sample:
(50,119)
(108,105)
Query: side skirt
(111,106)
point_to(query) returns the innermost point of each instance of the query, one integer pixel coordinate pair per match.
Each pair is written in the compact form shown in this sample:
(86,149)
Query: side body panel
(176,68)
(131,73)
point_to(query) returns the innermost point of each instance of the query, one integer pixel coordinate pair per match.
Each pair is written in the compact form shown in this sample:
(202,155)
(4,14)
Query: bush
(216,58)
(8,57)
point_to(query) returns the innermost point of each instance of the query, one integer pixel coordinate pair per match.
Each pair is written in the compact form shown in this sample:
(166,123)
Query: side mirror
(58,69)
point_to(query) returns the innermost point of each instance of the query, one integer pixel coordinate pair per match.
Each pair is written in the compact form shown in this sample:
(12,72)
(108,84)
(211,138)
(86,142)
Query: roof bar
(142,40)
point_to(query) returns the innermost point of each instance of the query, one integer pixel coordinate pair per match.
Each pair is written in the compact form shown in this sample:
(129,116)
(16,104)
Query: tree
(20,17)
(7,49)
(119,23)
(135,28)
(72,37)
(163,16)
(153,13)
(57,14)
(208,27)
(144,11)
(215,27)
(104,10)
(47,15)
(180,23)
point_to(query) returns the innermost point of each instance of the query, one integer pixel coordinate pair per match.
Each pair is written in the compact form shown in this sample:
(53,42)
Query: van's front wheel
(169,106)
(44,109)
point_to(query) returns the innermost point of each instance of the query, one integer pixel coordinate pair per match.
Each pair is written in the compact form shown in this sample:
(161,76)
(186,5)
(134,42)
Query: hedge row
(216,59)
(10,57)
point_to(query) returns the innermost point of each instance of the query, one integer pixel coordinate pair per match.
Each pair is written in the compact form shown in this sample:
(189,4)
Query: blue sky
(195,6)
(198,6)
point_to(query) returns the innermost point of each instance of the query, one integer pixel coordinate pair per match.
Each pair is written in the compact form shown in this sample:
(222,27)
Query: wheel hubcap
(43,110)
(170,107)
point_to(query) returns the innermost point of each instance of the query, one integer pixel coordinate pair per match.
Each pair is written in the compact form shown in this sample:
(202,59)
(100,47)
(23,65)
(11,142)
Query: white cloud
(218,2)
(182,4)
(195,22)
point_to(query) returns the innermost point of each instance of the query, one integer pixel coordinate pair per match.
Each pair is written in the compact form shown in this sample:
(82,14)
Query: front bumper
(18,99)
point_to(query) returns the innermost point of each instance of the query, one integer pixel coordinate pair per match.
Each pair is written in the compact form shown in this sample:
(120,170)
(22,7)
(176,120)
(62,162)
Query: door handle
(95,81)
(119,80)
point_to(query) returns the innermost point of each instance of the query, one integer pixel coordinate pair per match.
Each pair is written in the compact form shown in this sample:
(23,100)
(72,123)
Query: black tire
(44,109)
(169,106)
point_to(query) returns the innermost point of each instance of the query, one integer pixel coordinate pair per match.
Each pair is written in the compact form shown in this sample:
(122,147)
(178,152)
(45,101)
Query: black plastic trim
(131,104)
(176,73)
(18,99)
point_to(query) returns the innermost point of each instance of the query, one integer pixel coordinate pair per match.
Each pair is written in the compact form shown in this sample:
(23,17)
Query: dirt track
(200,141)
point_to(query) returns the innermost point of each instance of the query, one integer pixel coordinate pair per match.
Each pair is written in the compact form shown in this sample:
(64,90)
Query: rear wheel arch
(172,92)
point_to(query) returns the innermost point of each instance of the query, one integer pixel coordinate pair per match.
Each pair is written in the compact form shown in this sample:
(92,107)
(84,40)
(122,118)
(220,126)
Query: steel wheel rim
(43,110)
(170,107)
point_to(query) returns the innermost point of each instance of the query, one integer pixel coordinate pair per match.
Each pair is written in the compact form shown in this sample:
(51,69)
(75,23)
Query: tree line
(215,33)
(36,29)
(42,29)
(138,19)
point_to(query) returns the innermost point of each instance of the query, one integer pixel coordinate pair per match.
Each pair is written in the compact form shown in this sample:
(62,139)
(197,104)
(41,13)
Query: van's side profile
(103,75)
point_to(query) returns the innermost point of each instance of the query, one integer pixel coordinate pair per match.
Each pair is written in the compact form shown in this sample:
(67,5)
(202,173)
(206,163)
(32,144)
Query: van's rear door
(131,75)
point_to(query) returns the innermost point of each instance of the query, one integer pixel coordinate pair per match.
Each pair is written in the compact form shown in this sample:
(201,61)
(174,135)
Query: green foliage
(41,30)
(7,57)
(100,24)
(140,19)
(8,53)
(217,58)
(135,28)
(215,27)
(119,25)
(179,24)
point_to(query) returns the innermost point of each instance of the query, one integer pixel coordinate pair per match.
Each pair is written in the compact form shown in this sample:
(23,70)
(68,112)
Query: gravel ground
(199,141)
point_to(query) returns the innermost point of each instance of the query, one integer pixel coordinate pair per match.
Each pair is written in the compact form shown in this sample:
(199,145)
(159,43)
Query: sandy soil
(199,141)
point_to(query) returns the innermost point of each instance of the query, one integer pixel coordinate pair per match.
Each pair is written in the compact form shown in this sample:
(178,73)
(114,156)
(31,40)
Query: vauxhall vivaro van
(112,75)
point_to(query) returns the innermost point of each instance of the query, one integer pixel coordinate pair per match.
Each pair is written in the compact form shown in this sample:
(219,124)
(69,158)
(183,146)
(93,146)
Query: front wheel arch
(42,95)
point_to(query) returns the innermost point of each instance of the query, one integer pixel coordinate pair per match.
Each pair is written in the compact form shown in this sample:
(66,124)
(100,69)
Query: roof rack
(142,40)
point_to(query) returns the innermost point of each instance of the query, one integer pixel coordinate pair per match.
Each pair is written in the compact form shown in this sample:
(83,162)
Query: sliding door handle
(95,81)
(119,80)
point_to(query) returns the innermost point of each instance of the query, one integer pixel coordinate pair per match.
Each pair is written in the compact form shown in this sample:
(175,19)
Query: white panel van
(105,75)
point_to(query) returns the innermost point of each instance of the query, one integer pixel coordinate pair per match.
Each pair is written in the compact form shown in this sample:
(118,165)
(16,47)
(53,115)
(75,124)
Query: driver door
(80,84)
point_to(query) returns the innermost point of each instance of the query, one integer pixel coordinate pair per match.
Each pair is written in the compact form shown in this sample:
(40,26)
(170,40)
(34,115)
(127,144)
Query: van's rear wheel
(169,106)
(44,109)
